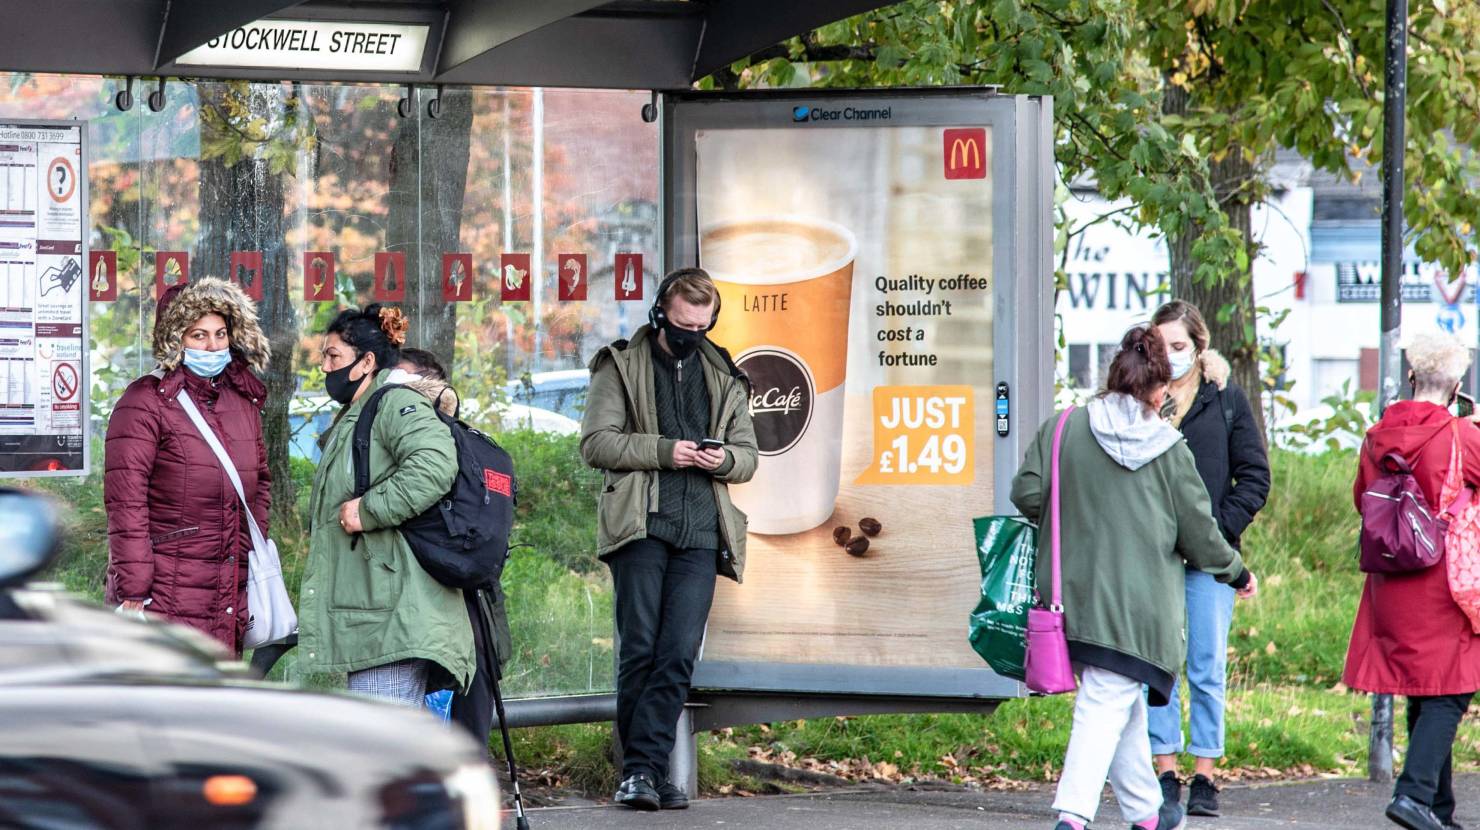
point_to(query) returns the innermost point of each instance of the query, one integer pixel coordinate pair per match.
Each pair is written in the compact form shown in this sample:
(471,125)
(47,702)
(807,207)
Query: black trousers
(1427,775)
(662,601)
(474,711)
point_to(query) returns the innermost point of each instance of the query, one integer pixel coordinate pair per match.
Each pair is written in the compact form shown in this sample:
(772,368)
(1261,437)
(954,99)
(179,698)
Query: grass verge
(1287,713)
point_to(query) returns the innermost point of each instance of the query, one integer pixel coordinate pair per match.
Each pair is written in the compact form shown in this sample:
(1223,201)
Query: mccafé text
(776,399)
(765,302)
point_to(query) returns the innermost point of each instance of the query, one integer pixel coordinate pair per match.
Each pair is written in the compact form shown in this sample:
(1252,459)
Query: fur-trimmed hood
(182,305)
(439,392)
(1215,369)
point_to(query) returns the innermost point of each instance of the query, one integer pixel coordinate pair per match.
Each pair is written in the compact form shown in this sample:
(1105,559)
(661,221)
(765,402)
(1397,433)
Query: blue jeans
(1209,615)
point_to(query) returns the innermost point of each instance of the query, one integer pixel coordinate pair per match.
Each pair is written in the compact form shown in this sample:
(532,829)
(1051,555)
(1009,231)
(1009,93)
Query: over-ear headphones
(657,316)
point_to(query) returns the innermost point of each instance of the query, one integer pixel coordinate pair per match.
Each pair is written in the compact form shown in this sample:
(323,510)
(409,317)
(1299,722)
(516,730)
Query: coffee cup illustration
(787,284)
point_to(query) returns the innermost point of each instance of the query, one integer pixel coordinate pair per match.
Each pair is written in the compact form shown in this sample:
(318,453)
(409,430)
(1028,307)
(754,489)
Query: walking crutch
(520,822)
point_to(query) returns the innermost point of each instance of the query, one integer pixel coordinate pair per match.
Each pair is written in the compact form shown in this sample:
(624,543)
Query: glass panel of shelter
(294,171)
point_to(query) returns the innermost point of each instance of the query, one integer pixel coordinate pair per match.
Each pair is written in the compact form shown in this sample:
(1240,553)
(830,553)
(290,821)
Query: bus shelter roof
(630,44)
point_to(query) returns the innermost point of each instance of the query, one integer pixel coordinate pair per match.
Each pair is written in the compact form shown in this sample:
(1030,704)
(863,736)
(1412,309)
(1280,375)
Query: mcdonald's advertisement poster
(855,269)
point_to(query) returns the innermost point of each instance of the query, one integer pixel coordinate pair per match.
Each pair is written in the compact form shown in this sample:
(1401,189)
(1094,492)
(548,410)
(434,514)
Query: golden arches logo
(965,152)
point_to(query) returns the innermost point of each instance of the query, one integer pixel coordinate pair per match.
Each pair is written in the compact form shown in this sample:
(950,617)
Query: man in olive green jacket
(665,523)
(369,603)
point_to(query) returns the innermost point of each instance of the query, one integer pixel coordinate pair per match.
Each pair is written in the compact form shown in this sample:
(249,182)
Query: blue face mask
(207,364)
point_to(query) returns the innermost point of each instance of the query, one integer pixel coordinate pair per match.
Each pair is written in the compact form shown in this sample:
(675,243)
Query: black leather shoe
(1405,812)
(1203,798)
(638,793)
(672,797)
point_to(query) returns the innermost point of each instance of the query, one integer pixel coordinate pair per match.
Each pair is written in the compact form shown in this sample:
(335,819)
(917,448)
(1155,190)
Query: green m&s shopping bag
(1007,547)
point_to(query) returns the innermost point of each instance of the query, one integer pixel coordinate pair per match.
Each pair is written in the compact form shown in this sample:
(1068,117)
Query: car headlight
(474,787)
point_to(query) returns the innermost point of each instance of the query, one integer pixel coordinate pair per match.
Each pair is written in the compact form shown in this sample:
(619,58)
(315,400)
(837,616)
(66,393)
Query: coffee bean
(870,526)
(841,535)
(857,547)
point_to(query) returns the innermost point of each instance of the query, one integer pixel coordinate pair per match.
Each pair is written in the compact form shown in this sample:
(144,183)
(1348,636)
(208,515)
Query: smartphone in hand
(1464,405)
(711,444)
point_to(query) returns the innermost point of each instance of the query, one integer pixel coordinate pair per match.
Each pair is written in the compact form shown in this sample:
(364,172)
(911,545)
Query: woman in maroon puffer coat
(178,542)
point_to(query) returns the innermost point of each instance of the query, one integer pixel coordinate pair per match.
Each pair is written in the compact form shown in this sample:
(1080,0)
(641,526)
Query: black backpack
(463,539)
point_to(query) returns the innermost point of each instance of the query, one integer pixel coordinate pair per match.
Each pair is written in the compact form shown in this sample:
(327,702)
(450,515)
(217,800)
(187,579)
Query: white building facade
(1316,281)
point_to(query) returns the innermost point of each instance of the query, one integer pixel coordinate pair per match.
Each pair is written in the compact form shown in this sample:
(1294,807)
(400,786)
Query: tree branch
(1062,21)
(1351,46)
(1104,141)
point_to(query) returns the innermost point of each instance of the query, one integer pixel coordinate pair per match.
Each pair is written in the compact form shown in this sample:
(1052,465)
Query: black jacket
(1225,440)
(688,515)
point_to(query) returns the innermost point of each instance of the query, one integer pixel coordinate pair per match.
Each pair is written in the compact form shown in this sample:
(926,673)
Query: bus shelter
(518,176)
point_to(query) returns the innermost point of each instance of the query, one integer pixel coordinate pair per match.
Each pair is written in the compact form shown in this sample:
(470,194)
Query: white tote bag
(271,616)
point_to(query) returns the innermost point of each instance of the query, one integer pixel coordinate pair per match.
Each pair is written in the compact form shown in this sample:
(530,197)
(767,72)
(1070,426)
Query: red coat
(176,533)
(1409,637)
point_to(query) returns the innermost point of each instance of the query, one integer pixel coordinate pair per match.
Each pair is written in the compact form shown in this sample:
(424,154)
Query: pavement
(1337,804)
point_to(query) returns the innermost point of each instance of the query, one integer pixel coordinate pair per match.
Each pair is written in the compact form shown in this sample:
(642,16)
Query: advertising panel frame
(85,358)
(1022,285)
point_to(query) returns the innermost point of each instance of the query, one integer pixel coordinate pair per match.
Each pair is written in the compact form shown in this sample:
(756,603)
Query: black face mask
(339,386)
(682,342)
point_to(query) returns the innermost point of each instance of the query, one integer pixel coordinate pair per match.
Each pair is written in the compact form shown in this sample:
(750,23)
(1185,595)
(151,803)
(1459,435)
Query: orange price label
(923,435)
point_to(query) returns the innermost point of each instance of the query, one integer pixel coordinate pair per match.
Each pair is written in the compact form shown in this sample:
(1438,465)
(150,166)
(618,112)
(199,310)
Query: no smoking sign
(65,381)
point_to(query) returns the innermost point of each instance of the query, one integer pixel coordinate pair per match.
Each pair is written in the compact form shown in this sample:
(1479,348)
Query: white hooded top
(1128,431)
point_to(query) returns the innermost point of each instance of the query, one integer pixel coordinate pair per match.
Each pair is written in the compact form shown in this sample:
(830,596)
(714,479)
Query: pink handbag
(1047,668)
(1462,542)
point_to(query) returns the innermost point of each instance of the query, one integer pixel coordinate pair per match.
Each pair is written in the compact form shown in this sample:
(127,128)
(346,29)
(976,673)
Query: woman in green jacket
(366,606)
(1134,515)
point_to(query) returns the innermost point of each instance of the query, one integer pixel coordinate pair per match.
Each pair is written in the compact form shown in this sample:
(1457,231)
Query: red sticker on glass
(390,277)
(457,277)
(102,286)
(318,276)
(514,277)
(246,271)
(628,277)
(572,277)
(171,268)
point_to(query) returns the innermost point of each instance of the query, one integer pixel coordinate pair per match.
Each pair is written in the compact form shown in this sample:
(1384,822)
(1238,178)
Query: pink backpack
(1462,543)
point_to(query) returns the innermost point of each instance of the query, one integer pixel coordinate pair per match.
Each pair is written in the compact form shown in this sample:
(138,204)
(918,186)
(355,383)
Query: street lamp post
(1395,94)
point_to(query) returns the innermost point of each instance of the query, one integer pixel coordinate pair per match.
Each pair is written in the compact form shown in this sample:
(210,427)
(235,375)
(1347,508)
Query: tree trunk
(242,209)
(1227,304)
(429,175)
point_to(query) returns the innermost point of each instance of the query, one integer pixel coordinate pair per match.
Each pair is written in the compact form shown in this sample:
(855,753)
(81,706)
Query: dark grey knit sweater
(687,515)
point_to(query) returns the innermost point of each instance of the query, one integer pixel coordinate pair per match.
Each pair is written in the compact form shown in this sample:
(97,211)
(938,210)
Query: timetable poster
(43,325)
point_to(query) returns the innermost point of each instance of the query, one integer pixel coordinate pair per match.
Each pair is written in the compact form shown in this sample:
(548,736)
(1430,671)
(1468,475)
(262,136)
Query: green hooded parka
(369,604)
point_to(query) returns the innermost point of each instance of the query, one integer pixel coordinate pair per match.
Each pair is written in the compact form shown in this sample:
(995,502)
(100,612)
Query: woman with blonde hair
(1215,417)
(1410,638)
